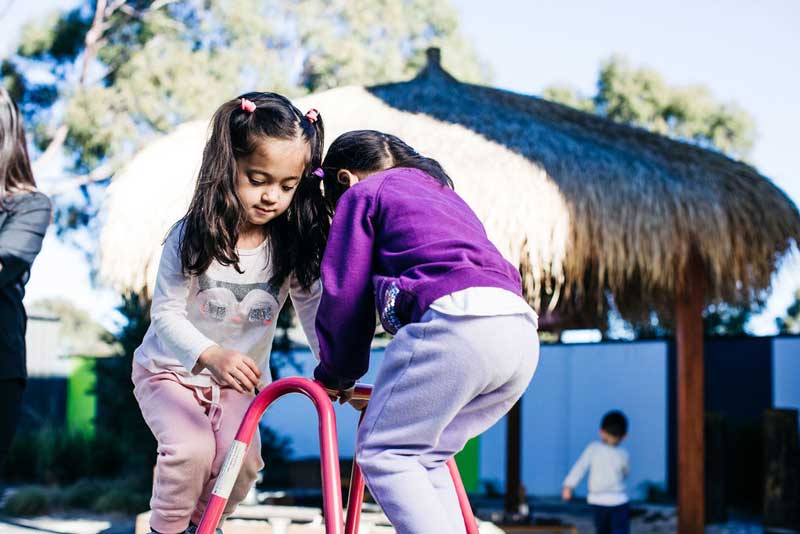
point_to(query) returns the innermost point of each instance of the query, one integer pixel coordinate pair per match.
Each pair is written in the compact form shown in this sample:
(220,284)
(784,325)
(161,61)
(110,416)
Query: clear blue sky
(746,52)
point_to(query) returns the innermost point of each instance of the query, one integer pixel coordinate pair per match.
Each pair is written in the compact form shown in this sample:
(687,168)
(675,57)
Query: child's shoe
(193,529)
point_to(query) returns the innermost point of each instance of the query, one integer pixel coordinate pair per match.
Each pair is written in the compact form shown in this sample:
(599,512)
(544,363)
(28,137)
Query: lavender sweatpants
(193,438)
(443,381)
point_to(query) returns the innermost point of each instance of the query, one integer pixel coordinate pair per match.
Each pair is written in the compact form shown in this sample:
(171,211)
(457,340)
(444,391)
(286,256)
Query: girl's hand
(333,394)
(346,395)
(230,367)
(566,493)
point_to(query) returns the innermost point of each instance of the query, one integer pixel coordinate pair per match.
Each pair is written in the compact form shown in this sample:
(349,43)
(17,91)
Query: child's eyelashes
(258,183)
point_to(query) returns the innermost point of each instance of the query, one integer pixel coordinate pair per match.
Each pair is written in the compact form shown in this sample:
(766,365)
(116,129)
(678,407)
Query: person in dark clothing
(24,217)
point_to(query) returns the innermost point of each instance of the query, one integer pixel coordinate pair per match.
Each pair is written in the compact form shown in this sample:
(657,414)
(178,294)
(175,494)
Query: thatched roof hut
(158,183)
(581,203)
(584,206)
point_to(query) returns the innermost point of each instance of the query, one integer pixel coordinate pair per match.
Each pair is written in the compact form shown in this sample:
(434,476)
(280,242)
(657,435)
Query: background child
(607,464)
(465,345)
(253,234)
(24,218)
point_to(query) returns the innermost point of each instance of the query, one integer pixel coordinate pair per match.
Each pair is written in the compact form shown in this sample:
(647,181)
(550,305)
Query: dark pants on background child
(612,519)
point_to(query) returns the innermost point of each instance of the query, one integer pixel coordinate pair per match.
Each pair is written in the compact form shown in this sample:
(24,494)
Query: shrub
(28,500)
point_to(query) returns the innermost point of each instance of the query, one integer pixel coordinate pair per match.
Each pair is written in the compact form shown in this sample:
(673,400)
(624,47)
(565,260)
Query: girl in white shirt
(252,236)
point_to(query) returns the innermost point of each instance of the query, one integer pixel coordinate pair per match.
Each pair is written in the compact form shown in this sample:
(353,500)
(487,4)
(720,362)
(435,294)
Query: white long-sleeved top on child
(608,469)
(237,311)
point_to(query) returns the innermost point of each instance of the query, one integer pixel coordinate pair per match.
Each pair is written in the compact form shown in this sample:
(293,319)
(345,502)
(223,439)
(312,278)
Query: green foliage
(654,328)
(154,64)
(59,456)
(721,320)
(95,495)
(27,501)
(58,37)
(568,96)
(373,41)
(119,498)
(641,97)
(118,413)
(790,323)
(276,450)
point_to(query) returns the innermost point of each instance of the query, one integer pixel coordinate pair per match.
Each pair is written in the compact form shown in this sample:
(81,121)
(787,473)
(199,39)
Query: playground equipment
(329,457)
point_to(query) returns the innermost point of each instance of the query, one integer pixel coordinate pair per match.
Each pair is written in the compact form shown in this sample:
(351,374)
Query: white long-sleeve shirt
(608,469)
(237,311)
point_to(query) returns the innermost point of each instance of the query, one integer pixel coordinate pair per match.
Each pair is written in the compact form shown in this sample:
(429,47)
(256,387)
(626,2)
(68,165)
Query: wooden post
(513,459)
(691,446)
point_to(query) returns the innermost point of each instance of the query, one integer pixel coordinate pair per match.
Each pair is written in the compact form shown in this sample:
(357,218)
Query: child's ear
(343,177)
(346,177)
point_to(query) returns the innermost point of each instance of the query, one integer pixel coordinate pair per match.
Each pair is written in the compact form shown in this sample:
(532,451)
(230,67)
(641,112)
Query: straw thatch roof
(582,204)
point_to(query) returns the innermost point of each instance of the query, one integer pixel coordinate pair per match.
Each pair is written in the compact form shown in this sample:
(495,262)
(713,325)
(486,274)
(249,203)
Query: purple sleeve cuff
(331,381)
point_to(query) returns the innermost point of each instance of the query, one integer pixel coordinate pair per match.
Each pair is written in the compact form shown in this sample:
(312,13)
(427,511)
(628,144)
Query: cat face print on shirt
(226,307)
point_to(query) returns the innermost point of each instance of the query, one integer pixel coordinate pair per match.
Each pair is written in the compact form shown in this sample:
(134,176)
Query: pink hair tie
(248,105)
(319,173)
(312,115)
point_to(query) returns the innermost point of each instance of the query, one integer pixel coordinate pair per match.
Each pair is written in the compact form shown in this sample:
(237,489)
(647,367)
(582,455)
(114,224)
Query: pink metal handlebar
(329,460)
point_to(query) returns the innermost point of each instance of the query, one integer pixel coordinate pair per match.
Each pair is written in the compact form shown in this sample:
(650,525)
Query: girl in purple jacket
(465,341)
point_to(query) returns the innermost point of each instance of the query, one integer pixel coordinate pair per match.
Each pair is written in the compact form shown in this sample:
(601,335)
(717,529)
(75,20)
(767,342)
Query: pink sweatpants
(194,435)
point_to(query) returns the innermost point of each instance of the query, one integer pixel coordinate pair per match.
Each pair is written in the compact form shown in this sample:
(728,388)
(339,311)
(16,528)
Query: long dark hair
(372,151)
(297,238)
(15,165)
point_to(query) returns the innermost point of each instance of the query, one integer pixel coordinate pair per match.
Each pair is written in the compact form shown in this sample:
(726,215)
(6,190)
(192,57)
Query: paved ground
(646,520)
(648,524)
(67,524)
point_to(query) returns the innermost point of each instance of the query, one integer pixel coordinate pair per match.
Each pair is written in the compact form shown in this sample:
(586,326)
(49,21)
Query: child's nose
(269,197)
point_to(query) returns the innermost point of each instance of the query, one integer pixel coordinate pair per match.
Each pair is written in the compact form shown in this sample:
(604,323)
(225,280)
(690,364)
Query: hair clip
(248,105)
(312,115)
(319,172)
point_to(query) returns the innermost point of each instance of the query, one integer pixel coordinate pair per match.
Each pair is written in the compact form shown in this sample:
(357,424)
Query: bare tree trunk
(92,42)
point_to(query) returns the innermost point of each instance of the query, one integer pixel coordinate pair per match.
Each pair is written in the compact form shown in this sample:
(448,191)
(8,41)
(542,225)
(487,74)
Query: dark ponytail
(309,214)
(215,215)
(372,151)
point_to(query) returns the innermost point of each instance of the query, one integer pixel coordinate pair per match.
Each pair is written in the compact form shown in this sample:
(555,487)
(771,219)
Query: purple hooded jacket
(399,241)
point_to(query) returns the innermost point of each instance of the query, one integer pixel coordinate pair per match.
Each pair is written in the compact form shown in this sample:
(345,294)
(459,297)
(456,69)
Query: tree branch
(155,6)
(158,4)
(94,35)
(92,41)
(113,7)
(52,149)
(100,173)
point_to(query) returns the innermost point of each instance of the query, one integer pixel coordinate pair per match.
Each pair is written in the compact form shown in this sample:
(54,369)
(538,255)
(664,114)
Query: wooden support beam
(690,396)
